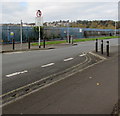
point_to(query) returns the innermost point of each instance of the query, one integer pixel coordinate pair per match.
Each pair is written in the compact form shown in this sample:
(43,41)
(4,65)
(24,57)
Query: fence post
(107,48)
(101,46)
(96,45)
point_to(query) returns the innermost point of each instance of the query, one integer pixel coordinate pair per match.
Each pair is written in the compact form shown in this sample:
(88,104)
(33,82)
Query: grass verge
(75,40)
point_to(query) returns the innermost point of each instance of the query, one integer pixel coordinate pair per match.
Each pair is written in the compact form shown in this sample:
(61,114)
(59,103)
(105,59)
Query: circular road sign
(39,13)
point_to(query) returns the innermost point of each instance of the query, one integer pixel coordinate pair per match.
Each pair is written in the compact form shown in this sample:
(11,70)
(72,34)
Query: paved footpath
(9,47)
(92,91)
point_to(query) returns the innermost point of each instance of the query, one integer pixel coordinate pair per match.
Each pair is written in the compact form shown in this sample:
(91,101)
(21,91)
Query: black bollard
(69,39)
(107,48)
(39,46)
(101,46)
(13,42)
(28,43)
(43,42)
(96,45)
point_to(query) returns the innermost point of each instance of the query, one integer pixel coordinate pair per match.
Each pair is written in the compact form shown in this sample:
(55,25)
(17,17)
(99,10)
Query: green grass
(75,40)
(92,39)
(50,42)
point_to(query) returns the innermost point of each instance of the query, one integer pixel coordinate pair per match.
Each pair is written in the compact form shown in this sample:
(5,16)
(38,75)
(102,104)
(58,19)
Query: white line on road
(82,55)
(90,77)
(14,53)
(68,59)
(16,73)
(50,64)
(101,57)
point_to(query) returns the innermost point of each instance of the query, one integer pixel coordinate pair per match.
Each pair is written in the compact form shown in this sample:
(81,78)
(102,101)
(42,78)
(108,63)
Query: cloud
(60,0)
(15,11)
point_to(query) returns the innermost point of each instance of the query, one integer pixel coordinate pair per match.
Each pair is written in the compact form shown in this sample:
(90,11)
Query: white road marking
(14,53)
(50,64)
(90,77)
(101,57)
(82,55)
(68,59)
(16,73)
(98,84)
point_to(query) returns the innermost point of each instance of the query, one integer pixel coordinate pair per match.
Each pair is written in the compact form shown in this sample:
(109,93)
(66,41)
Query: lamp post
(68,31)
(115,29)
(65,35)
(21,33)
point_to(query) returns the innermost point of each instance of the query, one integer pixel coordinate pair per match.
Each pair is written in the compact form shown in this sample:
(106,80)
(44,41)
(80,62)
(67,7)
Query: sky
(12,11)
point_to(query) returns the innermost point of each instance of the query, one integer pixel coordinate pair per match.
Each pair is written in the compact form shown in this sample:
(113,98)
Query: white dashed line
(90,77)
(16,73)
(50,64)
(68,59)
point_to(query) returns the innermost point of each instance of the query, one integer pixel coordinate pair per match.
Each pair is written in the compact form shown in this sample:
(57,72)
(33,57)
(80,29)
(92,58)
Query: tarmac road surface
(21,68)
(92,91)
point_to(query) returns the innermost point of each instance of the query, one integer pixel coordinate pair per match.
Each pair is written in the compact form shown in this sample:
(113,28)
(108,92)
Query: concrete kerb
(32,49)
(6,51)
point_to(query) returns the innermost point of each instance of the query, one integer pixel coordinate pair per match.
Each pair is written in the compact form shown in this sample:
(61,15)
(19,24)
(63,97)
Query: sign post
(39,22)
(13,41)
(39,38)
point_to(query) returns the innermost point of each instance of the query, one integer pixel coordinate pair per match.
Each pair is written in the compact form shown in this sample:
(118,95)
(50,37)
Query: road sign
(39,21)
(80,30)
(11,33)
(39,18)
(38,13)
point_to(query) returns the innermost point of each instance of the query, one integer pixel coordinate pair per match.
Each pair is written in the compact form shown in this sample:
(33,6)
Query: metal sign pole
(39,37)
(39,23)
(13,41)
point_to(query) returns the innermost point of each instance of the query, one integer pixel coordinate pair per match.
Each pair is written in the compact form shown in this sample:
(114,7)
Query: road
(92,91)
(22,68)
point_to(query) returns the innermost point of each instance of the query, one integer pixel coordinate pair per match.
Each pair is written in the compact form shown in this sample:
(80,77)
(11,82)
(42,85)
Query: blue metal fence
(51,33)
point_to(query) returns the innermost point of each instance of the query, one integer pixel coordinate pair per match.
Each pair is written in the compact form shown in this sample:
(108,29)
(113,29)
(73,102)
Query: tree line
(99,24)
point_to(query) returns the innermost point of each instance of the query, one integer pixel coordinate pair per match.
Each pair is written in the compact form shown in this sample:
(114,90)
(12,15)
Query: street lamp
(65,35)
(68,31)
(8,28)
(21,33)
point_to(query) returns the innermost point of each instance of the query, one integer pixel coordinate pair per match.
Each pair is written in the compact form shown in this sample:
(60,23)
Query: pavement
(24,47)
(92,91)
